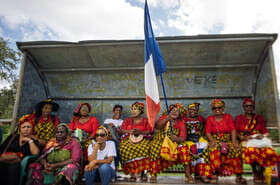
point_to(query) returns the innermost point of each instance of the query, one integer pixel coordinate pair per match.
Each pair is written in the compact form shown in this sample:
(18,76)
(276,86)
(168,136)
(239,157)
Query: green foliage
(9,58)
(274,135)
(6,129)
(7,101)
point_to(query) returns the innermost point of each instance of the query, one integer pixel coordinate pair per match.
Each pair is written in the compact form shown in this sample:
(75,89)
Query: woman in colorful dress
(251,126)
(86,124)
(59,163)
(178,135)
(134,145)
(45,122)
(197,143)
(224,149)
(14,149)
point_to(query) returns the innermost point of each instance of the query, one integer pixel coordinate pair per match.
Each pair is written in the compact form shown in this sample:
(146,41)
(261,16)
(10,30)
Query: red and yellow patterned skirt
(200,160)
(159,164)
(134,156)
(263,156)
(225,164)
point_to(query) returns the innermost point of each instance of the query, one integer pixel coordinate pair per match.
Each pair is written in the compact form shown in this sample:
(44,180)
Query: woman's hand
(96,146)
(213,143)
(41,141)
(111,124)
(259,136)
(235,144)
(136,131)
(92,165)
(52,167)
(174,138)
(25,139)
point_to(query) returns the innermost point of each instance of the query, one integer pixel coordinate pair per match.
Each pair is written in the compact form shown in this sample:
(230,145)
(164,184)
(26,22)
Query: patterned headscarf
(180,107)
(66,126)
(78,108)
(194,105)
(248,100)
(139,106)
(26,118)
(106,130)
(217,103)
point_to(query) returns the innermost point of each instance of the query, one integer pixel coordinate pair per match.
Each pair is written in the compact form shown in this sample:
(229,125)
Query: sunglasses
(248,105)
(214,108)
(101,135)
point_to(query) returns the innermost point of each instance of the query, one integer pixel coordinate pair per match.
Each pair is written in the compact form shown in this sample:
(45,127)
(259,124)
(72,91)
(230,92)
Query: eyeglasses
(101,135)
(214,108)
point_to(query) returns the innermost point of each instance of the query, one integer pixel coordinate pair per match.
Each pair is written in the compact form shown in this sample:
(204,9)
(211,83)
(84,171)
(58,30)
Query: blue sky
(72,20)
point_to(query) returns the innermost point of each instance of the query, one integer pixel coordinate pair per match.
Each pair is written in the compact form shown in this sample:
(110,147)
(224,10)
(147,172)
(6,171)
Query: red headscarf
(78,108)
(248,100)
(217,103)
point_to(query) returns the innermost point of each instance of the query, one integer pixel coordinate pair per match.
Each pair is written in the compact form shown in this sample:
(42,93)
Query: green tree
(9,58)
(7,100)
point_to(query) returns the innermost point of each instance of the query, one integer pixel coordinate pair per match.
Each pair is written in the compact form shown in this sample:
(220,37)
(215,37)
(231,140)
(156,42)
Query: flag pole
(164,93)
(165,99)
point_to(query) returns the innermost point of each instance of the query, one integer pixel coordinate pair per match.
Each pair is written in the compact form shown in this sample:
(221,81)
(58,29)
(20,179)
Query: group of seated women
(217,146)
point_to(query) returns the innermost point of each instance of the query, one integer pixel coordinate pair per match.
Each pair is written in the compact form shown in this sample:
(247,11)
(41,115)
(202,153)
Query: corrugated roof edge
(209,36)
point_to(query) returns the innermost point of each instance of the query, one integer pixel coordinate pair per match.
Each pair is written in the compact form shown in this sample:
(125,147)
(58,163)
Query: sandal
(258,180)
(240,180)
(214,180)
(144,177)
(204,179)
(153,179)
(132,179)
(189,180)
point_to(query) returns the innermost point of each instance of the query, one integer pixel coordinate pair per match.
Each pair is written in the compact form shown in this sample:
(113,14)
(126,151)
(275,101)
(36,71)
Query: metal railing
(6,121)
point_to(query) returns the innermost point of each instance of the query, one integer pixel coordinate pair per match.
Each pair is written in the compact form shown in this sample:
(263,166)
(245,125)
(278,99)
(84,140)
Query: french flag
(154,65)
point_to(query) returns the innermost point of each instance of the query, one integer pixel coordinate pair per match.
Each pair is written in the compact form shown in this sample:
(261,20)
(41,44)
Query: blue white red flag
(154,65)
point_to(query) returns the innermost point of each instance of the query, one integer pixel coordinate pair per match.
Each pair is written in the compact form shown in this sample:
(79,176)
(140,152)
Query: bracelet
(30,141)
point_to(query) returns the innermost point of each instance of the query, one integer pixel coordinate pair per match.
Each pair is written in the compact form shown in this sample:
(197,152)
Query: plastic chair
(23,166)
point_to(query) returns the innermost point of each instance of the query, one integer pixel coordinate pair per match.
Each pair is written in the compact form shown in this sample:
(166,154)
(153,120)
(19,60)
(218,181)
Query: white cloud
(1,32)
(75,20)
(165,4)
(4,83)
(198,17)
